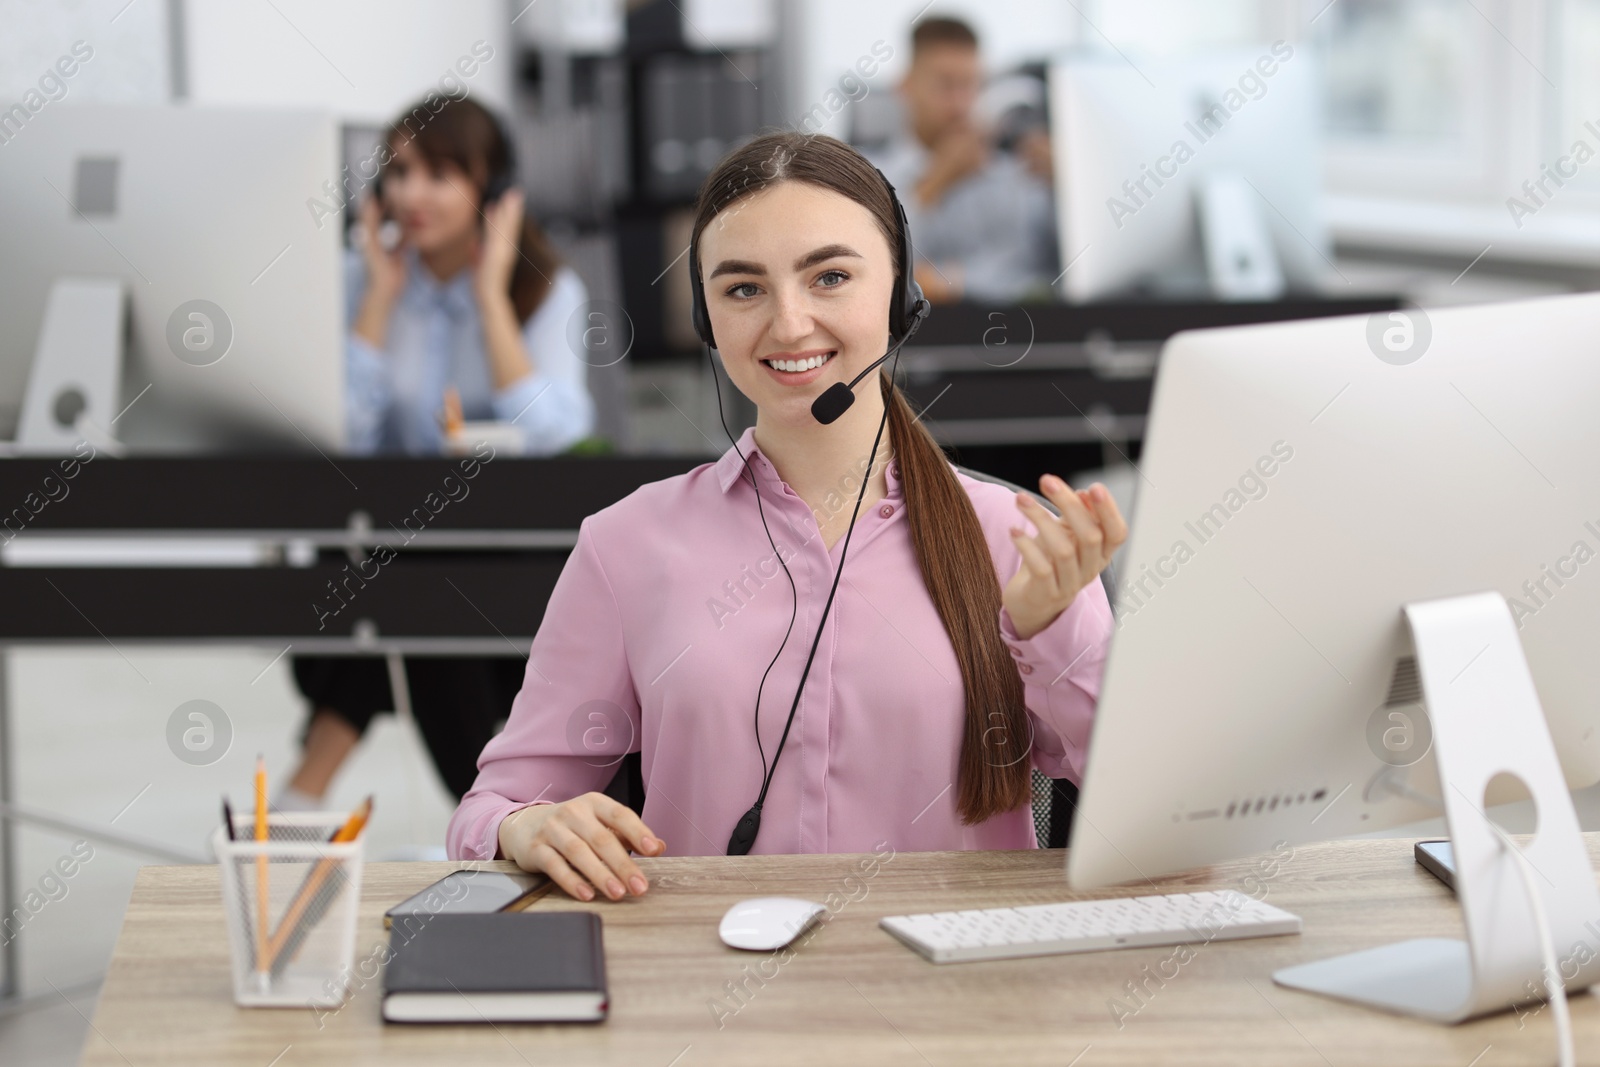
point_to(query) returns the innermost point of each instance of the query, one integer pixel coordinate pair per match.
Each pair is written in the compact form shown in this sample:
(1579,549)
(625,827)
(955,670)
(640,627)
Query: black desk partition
(1063,373)
(1131,320)
(499,529)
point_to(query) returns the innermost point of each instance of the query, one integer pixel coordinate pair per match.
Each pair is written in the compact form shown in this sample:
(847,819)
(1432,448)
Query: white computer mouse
(766,923)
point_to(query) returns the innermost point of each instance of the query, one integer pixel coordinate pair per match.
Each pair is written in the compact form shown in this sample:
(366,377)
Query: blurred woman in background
(458,309)
(471,297)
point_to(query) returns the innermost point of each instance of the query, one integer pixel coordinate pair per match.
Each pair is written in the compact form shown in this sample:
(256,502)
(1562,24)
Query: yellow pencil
(261,873)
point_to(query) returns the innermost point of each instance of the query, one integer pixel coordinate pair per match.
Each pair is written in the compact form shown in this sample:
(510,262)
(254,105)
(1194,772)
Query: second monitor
(213,235)
(1189,178)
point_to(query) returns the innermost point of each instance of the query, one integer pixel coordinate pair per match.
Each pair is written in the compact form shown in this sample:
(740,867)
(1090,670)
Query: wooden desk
(851,994)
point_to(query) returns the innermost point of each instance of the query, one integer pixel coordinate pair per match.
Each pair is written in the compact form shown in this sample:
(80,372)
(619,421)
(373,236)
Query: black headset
(503,180)
(906,312)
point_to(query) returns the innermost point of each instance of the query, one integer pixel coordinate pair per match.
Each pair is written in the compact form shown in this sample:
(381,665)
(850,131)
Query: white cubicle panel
(363,59)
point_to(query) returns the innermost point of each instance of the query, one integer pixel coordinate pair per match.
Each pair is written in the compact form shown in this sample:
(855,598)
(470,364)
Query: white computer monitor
(1306,489)
(179,204)
(1297,491)
(1160,164)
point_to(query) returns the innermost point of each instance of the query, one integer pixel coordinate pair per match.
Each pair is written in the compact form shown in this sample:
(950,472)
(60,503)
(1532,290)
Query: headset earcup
(702,324)
(912,310)
(498,186)
(698,315)
(504,180)
(917,304)
(907,313)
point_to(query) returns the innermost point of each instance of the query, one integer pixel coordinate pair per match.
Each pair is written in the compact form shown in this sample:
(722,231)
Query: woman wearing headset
(465,314)
(964,644)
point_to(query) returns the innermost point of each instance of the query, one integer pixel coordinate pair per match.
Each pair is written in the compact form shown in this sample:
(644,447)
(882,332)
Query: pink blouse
(669,609)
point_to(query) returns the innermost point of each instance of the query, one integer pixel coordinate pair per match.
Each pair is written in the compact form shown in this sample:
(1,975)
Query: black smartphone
(1439,860)
(466,892)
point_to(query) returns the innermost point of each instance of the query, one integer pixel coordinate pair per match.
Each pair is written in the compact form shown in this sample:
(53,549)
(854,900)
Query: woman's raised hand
(1067,554)
(582,844)
(386,268)
(498,254)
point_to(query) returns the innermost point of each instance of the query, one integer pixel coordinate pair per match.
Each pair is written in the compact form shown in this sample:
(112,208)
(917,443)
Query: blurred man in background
(982,220)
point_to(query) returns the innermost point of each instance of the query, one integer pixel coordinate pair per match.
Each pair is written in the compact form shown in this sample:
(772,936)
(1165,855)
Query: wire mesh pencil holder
(291,904)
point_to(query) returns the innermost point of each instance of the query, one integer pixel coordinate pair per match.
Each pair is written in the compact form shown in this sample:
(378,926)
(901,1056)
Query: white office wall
(363,59)
(729,23)
(1172,27)
(586,27)
(129,42)
(825,38)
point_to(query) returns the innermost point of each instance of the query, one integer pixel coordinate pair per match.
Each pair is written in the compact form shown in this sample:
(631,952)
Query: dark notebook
(545,966)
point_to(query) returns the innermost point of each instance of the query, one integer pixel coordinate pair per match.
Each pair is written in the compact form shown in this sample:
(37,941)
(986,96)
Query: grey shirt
(997,224)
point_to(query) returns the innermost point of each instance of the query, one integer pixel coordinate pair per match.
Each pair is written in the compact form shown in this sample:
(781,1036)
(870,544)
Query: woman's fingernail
(613,888)
(650,842)
(638,883)
(585,893)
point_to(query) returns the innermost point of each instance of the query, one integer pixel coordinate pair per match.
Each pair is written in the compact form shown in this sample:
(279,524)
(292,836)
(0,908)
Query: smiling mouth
(796,365)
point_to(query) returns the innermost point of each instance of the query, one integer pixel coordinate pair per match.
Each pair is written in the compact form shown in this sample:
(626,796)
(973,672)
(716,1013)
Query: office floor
(90,728)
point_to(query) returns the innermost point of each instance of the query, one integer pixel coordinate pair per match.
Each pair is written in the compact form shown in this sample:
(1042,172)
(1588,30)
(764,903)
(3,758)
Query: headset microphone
(837,400)
(838,397)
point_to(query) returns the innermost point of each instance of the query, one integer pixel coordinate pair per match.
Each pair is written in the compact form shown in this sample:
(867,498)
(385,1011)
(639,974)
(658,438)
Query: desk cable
(1552,973)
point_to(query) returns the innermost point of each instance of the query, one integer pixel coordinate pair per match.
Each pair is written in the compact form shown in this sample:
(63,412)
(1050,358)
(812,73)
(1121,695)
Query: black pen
(244,904)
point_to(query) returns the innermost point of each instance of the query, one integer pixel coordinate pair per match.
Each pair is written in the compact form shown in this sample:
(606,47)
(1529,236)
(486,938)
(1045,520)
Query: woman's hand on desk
(1068,553)
(582,844)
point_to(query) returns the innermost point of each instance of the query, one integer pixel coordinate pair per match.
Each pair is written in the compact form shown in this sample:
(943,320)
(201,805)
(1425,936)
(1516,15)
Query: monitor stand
(1241,263)
(76,381)
(1486,720)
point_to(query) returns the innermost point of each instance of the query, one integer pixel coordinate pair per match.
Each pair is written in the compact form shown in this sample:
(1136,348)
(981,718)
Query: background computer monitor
(1135,140)
(1301,482)
(187,204)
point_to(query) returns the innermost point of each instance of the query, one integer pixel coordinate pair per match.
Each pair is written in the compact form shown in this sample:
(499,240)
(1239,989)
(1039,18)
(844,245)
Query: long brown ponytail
(993,775)
(959,574)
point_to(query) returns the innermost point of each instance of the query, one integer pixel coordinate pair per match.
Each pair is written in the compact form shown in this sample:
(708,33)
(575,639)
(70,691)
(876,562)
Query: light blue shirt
(394,396)
(997,224)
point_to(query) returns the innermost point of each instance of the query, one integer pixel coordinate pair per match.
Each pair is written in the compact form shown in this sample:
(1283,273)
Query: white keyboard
(1089,926)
